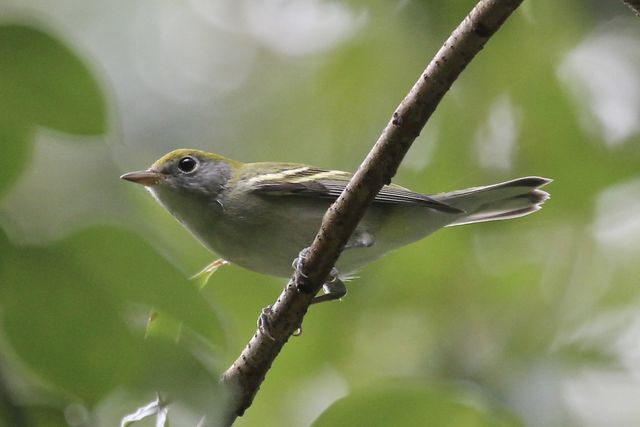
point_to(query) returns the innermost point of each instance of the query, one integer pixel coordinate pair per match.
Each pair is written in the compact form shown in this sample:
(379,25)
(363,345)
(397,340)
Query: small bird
(261,215)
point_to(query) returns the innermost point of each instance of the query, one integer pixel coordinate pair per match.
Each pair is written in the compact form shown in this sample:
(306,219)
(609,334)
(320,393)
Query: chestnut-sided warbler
(261,215)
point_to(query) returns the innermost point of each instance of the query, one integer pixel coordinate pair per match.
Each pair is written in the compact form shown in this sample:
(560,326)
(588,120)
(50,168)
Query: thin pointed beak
(147,178)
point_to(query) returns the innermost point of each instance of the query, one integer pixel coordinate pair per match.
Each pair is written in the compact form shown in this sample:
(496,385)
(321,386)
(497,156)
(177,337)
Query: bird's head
(186,171)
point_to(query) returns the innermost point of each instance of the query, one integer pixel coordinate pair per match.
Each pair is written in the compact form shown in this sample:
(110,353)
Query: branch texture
(248,371)
(633,5)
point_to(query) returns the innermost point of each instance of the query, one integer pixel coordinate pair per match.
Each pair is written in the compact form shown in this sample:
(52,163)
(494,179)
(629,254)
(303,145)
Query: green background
(531,322)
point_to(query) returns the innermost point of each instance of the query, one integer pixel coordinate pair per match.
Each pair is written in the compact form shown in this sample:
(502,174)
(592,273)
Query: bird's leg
(333,288)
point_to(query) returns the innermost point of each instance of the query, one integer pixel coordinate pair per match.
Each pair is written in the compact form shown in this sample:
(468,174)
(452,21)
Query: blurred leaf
(405,403)
(45,416)
(64,313)
(162,325)
(42,83)
(14,149)
(62,327)
(45,83)
(134,272)
(181,378)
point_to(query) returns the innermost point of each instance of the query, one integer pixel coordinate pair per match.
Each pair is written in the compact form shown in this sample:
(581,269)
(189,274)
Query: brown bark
(249,370)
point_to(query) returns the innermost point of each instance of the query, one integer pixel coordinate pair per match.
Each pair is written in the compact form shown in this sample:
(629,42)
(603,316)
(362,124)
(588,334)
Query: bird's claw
(263,322)
(297,262)
(334,288)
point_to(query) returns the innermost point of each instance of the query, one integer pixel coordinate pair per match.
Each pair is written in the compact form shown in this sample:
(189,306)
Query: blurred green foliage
(526,322)
(42,83)
(411,403)
(107,271)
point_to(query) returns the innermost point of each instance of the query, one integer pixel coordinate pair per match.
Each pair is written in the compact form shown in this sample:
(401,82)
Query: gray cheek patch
(216,174)
(209,178)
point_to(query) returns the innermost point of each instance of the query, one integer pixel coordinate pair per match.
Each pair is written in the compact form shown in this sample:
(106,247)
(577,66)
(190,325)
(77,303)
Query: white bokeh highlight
(298,27)
(602,74)
(617,224)
(495,140)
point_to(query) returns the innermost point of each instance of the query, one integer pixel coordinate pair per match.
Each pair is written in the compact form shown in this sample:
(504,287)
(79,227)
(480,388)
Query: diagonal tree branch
(248,371)
(633,5)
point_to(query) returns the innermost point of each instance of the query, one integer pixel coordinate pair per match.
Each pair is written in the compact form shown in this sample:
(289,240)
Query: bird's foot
(264,324)
(334,288)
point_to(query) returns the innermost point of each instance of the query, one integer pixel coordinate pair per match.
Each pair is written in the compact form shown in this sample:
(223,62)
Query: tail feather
(506,200)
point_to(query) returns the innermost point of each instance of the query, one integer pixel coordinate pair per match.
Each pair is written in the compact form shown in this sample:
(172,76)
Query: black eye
(187,164)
